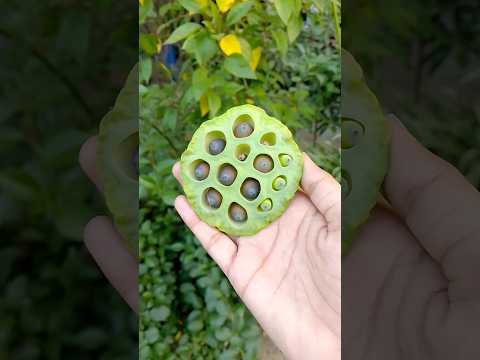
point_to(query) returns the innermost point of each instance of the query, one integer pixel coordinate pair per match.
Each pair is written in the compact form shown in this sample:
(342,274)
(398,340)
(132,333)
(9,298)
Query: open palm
(411,280)
(289,273)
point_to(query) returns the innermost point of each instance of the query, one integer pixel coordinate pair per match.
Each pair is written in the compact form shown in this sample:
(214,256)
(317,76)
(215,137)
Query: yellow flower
(140,2)
(225,5)
(204,109)
(230,45)
(255,59)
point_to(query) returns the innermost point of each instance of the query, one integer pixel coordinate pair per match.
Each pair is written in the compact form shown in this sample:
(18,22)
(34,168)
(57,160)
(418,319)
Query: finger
(176,171)
(219,246)
(324,191)
(117,264)
(88,160)
(437,203)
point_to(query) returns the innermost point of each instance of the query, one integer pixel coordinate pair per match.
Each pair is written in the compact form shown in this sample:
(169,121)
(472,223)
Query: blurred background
(198,59)
(62,64)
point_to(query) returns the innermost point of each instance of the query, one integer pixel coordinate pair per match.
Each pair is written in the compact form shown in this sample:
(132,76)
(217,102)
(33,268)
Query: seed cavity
(265,205)
(213,198)
(250,188)
(263,163)
(201,171)
(215,142)
(352,133)
(243,126)
(279,183)
(242,151)
(346,184)
(227,174)
(269,139)
(237,213)
(285,159)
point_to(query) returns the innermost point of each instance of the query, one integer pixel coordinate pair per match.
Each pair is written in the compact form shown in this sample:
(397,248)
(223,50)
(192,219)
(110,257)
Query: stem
(170,142)
(337,23)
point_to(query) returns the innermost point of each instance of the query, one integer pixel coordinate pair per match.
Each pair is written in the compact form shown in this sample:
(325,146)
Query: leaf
(195,326)
(284,8)
(190,5)
(169,120)
(239,67)
(202,46)
(281,40)
(238,12)
(160,313)
(145,70)
(148,43)
(214,103)
(182,32)
(200,82)
(230,45)
(294,27)
(223,334)
(152,335)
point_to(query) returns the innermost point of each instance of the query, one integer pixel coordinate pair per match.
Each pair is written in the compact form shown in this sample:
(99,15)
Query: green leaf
(284,8)
(237,12)
(281,40)
(190,5)
(294,27)
(182,32)
(152,335)
(145,70)
(169,120)
(202,46)
(160,313)
(239,67)
(195,326)
(223,334)
(214,103)
(148,43)
(200,82)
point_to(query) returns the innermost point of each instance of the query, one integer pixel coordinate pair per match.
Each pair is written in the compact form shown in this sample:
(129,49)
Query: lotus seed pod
(279,183)
(227,175)
(243,129)
(250,189)
(266,205)
(213,198)
(117,161)
(216,146)
(240,199)
(285,159)
(202,170)
(238,213)
(365,143)
(263,163)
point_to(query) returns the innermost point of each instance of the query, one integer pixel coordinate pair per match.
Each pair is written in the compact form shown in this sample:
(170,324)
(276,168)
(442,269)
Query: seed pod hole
(227,174)
(269,139)
(346,184)
(250,188)
(279,183)
(263,163)
(352,133)
(199,169)
(215,142)
(243,126)
(285,159)
(265,205)
(237,213)
(242,152)
(212,198)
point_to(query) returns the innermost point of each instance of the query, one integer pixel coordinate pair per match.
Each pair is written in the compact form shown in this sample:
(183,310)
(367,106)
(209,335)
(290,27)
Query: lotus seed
(238,213)
(242,130)
(250,189)
(216,146)
(266,205)
(263,163)
(279,183)
(227,175)
(285,159)
(202,170)
(213,198)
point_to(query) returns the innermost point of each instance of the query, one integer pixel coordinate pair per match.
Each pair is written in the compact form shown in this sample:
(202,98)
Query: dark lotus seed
(216,146)
(135,161)
(227,175)
(202,170)
(250,189)
(238,213)
(213,198)
(242,130)
(263,163)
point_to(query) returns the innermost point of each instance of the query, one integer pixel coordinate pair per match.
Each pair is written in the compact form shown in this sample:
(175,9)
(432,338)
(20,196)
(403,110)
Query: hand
(411,279)
(288,274)
(104,242)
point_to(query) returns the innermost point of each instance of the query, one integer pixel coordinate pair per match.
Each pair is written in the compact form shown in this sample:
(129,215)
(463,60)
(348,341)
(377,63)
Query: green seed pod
(216,146)
(227,175)
(365,143)
(242,130)
(285,159)
(213,198)
(202,170)
(263,163)
(117,161)
(250,189)
(238,213)
(260,202)
(279,183)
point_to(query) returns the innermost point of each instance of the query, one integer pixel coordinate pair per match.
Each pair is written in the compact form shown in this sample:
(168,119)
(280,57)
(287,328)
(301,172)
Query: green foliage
(289,68)
(55,303)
